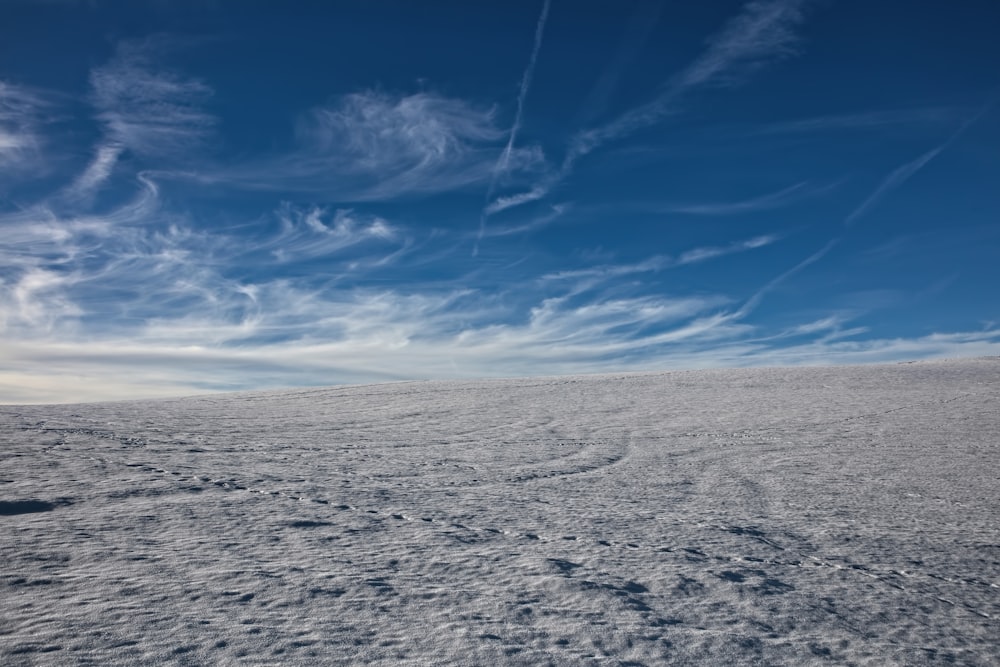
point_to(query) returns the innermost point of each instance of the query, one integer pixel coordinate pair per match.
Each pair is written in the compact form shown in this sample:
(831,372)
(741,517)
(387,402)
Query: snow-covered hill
(765,516)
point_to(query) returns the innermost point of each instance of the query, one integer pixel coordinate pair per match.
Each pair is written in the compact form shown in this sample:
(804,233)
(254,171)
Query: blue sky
(205,196)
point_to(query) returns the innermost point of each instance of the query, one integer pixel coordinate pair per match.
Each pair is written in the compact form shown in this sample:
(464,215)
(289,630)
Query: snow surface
(726,517)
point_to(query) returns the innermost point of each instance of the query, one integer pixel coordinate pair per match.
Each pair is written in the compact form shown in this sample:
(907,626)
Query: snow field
(765,516)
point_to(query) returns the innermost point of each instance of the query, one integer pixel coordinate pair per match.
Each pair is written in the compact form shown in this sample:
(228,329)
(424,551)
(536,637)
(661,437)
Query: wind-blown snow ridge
(762,516)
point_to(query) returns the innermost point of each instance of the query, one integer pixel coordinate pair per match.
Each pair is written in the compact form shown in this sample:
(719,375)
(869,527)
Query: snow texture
(725,517)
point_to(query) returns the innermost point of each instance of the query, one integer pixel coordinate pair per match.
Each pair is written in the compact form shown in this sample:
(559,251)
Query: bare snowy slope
(769,516)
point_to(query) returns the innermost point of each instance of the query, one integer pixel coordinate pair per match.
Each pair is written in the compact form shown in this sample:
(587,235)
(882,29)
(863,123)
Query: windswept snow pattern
(740,517)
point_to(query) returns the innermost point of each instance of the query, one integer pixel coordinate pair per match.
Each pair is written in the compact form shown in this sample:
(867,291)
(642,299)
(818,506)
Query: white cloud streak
(183,319)
(896,178)
(139,263)
(607,271)
(138,288)
(97,171)
(385,336)
(512,201)
(555,212)
(139,301)
(702,254)
(365,146)
(662,262)
(905,172)
(314,232)
(20,143)
(36,300)
(861,121)
(766,202)
(359,334)
(372,146)
(503,163)
(522,94)
(145,109)
(762,32)
(379,130)
(750,304)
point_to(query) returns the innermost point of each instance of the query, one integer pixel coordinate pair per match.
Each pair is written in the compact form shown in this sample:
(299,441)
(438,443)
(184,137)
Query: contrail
(502,163)
(763,31)
(903,173)
(529,72)
(756,298)
(899,176)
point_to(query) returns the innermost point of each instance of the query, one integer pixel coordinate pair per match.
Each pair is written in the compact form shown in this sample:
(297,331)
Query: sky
(232,195)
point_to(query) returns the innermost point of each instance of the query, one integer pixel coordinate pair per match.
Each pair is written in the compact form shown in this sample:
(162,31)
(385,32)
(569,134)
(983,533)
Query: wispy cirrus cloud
(557,329)
(95,371)
(147,109)
(36,300)
(20,141)
(279,330)
(379,131)
(374,145)
(894,180)
(898,176)
(511,201)
(555,212)
(40,237)
(607,271)
(824,351)
(763,31)
(702,254)
(97,170)
(369,335)
(140,263)
(862,121)
(831,326)
(86,269)
(180,308)
(315,232)
(765,202)
(140,286)
(173,292)
(662,262)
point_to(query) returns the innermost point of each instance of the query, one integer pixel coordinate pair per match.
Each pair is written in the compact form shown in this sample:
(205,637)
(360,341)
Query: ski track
(725,536)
